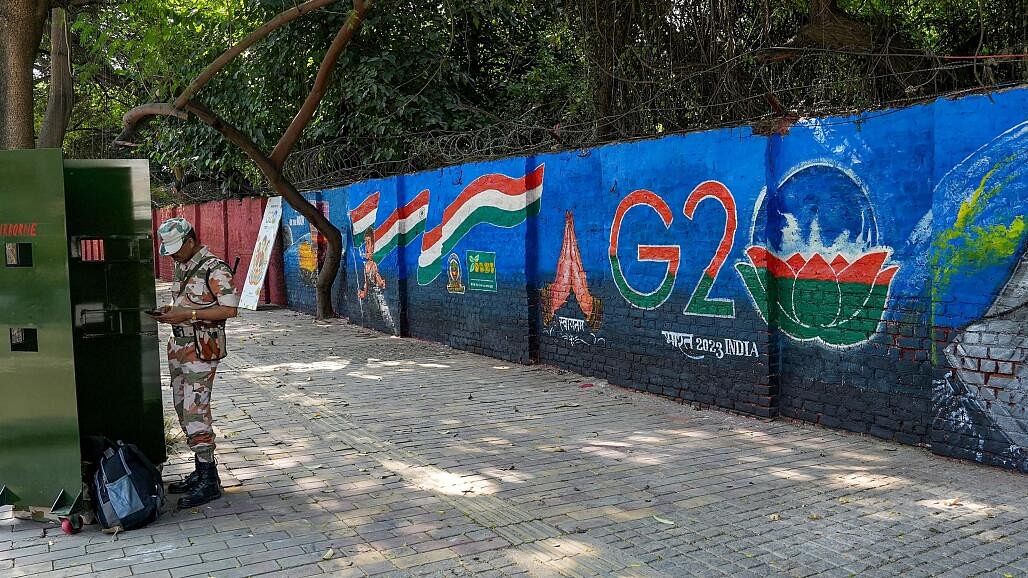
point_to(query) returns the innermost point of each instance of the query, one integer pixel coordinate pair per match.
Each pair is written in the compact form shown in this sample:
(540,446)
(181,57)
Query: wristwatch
(194,316)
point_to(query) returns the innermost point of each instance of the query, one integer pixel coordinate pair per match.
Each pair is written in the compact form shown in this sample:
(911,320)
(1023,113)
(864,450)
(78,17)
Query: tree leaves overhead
(429,82)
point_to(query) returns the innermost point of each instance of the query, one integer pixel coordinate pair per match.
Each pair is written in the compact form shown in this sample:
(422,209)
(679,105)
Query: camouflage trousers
(191,384)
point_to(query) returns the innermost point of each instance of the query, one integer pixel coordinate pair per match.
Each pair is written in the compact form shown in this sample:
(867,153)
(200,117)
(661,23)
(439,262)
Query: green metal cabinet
(78,357)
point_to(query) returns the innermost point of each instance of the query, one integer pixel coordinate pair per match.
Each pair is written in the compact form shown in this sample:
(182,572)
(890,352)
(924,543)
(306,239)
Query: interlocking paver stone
(409,458)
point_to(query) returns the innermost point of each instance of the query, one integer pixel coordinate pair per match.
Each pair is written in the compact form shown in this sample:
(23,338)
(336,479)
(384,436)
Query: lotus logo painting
(816,268)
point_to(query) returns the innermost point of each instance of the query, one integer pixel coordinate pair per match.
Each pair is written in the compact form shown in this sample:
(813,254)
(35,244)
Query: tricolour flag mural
(402,226)
(494,199)
(363,217)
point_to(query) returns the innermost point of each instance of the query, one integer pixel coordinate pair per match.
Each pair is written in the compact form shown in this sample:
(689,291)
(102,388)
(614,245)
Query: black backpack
(127,488)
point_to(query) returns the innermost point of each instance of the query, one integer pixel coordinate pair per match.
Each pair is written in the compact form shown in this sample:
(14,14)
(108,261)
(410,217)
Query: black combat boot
(187,484)
(207,488)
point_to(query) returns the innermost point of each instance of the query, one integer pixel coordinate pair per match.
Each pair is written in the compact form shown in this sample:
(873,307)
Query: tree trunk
(21,31)
(271,165)
(62,89)
(333,257)
(272,172)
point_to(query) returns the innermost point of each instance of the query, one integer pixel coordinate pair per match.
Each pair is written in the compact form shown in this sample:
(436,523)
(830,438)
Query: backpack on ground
(127,488)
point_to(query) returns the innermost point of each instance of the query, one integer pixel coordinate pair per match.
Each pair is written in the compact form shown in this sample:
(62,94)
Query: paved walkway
(351,453)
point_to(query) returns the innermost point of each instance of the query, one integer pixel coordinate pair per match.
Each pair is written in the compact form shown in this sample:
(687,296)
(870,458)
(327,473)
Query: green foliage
(417,66)
(424,70)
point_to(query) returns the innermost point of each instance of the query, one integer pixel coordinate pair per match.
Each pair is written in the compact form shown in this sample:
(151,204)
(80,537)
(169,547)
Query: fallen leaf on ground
(664,520)
(814,517)
(952,502)
(774,517)
(328,554)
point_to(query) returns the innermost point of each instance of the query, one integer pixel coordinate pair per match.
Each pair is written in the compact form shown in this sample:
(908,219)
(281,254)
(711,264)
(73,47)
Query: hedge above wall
(866,273)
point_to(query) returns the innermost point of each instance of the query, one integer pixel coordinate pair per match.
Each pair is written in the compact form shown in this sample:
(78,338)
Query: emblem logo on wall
(570,278)
(481,271)
(830,292)
(454,284)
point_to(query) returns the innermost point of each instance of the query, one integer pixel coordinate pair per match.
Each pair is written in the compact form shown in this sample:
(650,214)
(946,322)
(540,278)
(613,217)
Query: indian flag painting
(363,217)
(493,199)
(402,226)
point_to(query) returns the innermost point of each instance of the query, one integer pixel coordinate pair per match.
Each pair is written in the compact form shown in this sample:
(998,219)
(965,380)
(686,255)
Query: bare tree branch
(283,187)
(62,91)
(138,116)
(213,68)
(328,64)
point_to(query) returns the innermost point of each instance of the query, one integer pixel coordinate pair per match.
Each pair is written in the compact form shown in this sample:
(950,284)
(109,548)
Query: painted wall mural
(303,254)
(493,199)
(978,251)
(399,229)
(865,272)
(571,281)
(371,245)
(831,293)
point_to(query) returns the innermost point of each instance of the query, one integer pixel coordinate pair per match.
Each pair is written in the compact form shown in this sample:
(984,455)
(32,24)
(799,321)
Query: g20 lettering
(700,303)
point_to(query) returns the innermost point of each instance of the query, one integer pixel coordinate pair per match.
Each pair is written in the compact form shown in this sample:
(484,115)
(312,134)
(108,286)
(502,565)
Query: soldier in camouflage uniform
(202,296)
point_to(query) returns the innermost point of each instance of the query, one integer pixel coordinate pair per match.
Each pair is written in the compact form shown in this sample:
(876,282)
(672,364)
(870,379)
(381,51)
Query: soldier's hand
(175,315)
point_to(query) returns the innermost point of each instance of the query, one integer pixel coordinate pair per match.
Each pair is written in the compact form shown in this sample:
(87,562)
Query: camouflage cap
(172,234)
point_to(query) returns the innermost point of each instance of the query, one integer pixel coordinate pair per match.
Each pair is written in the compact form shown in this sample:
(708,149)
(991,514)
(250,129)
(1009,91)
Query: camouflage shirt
(204,290)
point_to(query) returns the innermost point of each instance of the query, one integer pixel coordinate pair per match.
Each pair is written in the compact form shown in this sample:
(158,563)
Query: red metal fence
(229,229)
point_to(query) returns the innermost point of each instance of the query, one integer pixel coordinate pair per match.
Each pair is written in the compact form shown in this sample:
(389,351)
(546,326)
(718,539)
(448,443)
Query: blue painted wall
(861,272)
